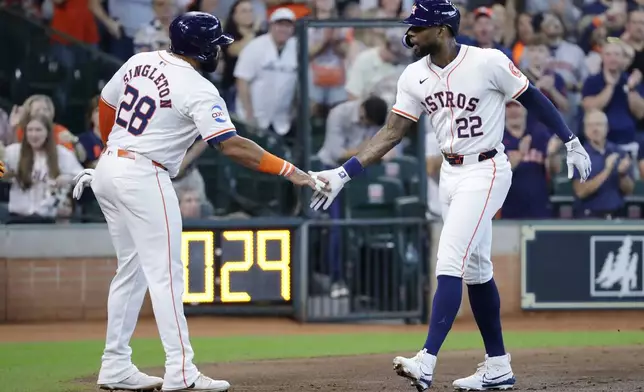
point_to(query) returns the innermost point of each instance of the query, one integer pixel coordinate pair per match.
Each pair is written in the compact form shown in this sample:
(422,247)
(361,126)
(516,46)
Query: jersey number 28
(144,108)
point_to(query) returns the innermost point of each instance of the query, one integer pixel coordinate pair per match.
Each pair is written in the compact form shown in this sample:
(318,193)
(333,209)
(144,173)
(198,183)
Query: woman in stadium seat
(243,27)
(38,104)
(40,171)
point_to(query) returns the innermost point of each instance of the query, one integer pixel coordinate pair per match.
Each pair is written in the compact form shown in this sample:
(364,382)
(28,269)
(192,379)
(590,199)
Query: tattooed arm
(382,142)
(386,139)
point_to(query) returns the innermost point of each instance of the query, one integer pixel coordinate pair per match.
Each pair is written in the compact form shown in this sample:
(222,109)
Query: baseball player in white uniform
(153,109)
(463,90)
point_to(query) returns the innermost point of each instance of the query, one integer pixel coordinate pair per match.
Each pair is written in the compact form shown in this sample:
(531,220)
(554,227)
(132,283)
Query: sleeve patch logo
(218,114)
(515,71)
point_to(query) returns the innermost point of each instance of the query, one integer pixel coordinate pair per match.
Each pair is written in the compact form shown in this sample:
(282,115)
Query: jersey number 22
(144,108)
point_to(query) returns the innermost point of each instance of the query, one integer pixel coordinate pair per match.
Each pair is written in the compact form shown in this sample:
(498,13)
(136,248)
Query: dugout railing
(379,271)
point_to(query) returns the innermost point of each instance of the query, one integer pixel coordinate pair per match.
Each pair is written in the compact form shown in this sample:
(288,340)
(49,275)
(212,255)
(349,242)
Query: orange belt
(130,155)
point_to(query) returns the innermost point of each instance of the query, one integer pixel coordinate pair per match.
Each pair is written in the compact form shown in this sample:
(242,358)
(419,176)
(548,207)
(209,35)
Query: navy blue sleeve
(539,105)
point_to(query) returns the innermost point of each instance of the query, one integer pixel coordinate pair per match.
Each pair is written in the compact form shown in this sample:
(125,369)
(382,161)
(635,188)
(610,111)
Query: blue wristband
(353,167)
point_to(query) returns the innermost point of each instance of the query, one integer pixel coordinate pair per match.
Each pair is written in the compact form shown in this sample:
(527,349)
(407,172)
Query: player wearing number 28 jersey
(463,91)
(151,112)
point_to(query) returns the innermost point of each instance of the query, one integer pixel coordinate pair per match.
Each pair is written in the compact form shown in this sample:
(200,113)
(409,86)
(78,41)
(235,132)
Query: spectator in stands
(386,9)
(73,18)
(89,145)
(41,172)
(611,16)
(125,18)
(499,17)
(269,64)
(484,32)
(533,154)
(241,25)
(350,124)
(594,56)
(467,18)
(207,6)
(537,58)
(564,9)
(634,37)
(523,34)
(327,51)
(602,195)
(300,8)
(619,95)
(375,71)
(39,105)
(569,61)
(192,204)
(155,35)
(189,203)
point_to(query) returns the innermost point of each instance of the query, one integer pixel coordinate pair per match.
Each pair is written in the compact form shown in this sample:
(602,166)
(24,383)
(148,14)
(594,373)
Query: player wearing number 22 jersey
(151,111)
(463,91)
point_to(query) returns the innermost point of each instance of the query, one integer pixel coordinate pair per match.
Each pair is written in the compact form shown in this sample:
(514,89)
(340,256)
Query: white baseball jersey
(465,101)
(162,105)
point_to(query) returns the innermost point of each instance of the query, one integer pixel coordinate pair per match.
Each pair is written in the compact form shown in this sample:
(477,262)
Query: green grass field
(50,366)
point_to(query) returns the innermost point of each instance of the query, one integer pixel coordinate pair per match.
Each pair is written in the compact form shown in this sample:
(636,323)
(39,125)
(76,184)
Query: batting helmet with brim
(428,13)
(198,35)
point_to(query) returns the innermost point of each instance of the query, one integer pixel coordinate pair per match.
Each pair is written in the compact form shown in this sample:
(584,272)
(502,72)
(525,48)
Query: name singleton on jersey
(160,81)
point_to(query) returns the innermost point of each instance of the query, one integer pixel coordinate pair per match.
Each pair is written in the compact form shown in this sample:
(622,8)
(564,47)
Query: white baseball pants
(470,196)
(142,213)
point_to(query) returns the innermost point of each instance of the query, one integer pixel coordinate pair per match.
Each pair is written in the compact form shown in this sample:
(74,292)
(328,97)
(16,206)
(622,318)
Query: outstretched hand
(335,180)
(299,178)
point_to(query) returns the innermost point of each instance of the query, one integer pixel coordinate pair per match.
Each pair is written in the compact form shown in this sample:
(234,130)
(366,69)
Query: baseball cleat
(139,382)
(204,384)
(418,370)
(495,374)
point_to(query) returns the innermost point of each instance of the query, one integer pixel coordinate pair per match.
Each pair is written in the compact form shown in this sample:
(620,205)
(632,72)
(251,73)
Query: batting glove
(577,157)
(82,181)
(336,179)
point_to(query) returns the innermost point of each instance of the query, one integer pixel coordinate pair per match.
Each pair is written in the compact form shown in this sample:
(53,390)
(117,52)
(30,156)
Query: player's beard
(429,49)
(208,67)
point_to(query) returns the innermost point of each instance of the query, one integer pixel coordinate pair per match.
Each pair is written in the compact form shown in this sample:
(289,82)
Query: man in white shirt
(376,71)
(266,74)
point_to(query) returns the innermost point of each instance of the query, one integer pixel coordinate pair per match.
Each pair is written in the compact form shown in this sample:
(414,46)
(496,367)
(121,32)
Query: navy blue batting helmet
(428,13)
(198,35)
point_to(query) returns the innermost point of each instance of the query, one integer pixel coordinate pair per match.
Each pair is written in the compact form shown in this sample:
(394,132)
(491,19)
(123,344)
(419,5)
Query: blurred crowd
(587,56)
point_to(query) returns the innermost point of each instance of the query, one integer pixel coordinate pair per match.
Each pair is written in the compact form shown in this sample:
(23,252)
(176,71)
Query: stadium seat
(635,202)
(403,168)
(372,198)
(563,198)
(258,193)
(409,207)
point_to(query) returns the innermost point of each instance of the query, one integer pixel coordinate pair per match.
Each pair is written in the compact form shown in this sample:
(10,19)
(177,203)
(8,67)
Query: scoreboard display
(239,266)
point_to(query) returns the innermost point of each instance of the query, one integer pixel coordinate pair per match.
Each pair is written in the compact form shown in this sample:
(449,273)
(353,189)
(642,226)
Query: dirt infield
(580,369)
(559,370)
